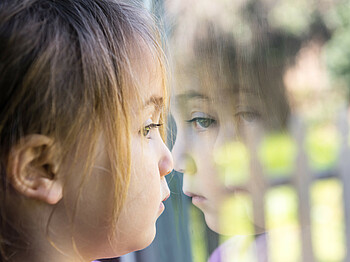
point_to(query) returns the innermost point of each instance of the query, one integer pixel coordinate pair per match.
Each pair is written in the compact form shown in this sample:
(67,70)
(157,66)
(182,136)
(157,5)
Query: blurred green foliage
(236,215)
(297,11)
(282,224)
(322,147)
(302,20)
(328,220)
(278,151)
(337,50)
(197,229)
(233,161)
(277,154)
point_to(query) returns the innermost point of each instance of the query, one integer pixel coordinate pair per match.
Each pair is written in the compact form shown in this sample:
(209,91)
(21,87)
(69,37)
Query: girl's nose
(178,155)
(184,162)
(165,163)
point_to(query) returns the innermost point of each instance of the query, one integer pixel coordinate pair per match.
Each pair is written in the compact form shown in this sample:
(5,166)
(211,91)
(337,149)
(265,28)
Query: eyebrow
(246,91)
(191,95)
(157,101)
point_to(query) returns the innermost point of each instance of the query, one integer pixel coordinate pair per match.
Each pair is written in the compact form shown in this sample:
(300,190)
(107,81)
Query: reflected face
(210,152)
(151,161)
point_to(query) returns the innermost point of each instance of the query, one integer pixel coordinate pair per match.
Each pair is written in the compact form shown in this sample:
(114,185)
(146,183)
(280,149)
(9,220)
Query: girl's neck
(42,250)
(42,255)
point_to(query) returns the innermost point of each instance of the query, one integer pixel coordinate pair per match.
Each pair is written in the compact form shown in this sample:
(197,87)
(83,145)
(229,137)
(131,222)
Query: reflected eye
(249,117)
(147,129)
(202,122)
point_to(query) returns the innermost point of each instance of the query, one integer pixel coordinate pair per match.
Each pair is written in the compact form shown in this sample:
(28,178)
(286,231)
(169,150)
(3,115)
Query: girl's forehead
(151,78)
(146,74)
(210,92)
(217,85)
(144,56)
(149,86)
(215,97)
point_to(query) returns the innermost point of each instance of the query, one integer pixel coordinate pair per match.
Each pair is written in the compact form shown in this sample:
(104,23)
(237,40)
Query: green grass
(328,220)
(322,147)
(277,154)
(198,235)
(282,224)
(278,151)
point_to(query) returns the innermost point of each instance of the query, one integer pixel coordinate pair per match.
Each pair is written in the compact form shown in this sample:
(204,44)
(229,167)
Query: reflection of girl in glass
(82,159)
(228,87)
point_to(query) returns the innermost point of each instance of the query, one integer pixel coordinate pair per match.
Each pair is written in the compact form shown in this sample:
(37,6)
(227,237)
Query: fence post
(257,187)
(344,169)
(302,180)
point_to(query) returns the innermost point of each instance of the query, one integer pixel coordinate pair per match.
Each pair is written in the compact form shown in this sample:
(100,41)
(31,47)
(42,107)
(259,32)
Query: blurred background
(304,164)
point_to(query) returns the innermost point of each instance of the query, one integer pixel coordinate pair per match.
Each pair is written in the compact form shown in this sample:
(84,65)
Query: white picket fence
(301,180)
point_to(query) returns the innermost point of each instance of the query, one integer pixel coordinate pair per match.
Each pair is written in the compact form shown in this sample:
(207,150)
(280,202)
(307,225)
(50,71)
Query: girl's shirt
(242,249)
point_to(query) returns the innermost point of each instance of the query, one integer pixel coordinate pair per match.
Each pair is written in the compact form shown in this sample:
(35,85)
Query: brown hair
(232,54)
(65,72)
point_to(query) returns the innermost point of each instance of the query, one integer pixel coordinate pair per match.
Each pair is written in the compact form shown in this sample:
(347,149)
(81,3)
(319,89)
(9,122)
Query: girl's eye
(249,117)
(147,129)
(202,123)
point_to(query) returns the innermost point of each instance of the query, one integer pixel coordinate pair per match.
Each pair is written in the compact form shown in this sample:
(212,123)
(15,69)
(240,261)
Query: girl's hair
(66,72)
(232,54)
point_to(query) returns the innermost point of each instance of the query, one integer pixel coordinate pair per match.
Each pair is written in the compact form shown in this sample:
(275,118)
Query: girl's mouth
(161,205)
(165,198)
(196,199)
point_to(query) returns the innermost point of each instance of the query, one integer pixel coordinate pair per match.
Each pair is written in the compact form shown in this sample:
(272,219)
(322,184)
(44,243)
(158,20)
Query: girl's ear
(32,169)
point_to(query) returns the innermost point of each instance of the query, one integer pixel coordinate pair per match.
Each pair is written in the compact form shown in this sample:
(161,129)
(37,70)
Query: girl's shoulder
(240,248)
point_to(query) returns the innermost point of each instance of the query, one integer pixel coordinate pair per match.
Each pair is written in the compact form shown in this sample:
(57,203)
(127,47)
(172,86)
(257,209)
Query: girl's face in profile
(150,162)
(210,129)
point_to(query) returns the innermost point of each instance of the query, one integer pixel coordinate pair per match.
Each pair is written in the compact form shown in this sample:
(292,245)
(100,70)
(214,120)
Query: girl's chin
(218,225)
(137,242)
(145,239)
(212,221)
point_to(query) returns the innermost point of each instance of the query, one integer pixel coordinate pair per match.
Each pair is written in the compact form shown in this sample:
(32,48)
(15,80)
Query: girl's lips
(161,205)
(165,198)
(196,199)
(161,208)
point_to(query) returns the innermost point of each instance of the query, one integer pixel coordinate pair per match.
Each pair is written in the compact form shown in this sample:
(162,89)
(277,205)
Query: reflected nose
(189,175)
(184,162)
(165,163)
(178,155)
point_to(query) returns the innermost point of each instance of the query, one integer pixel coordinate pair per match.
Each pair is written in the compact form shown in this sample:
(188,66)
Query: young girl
(82,159)
(228,87)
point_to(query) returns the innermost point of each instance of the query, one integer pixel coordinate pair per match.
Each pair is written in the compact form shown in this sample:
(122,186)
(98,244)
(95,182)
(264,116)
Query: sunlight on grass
(278,151)
(277,154)
(198,235)
(327,217)
(236,215)
(282,224)
(322,147)
(232,161)
(327,227)
(283,229)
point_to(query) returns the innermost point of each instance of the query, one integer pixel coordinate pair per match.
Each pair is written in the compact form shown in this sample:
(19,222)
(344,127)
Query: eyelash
(146,129)
(241,116)
(197,121)
(249,117)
